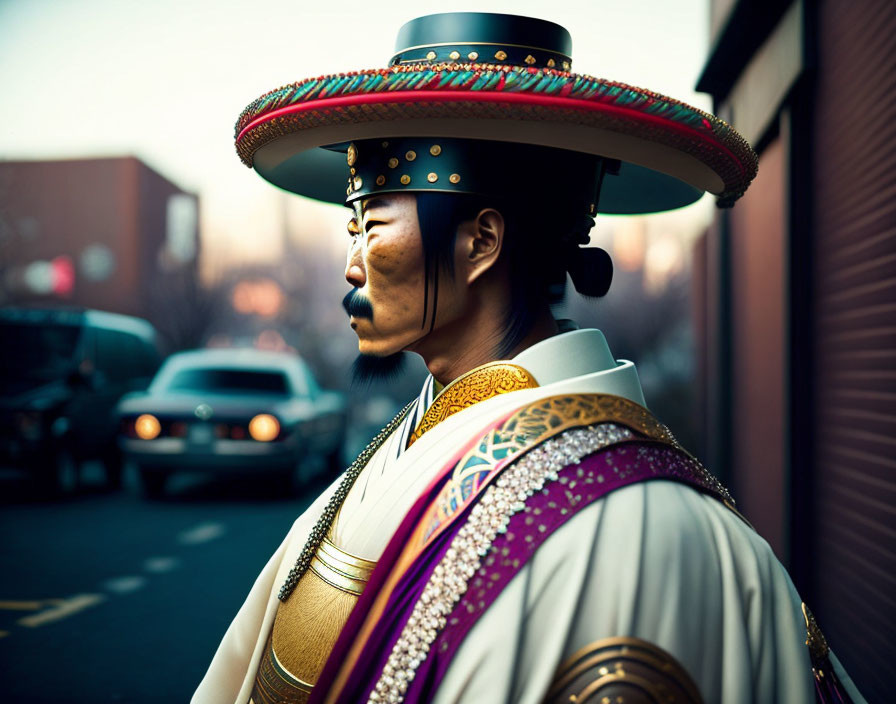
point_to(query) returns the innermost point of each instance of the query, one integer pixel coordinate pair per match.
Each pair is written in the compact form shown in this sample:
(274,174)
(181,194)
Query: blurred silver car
(218,410)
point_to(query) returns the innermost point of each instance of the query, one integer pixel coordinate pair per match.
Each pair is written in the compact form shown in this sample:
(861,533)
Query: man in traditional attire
(524,530)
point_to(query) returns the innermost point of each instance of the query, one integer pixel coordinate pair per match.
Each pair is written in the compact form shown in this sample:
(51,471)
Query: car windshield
(37,352)
(229,381)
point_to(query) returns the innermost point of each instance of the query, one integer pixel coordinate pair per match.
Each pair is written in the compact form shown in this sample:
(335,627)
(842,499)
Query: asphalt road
(107,597)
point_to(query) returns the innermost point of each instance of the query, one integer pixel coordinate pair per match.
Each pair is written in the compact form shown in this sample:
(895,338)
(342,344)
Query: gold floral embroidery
(476,385)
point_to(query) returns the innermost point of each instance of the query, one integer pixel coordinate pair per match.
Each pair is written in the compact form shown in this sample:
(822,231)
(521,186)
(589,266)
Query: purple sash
(479,523)
(459,574)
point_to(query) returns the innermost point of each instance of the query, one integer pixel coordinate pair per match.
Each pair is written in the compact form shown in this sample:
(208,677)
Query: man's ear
(480,242)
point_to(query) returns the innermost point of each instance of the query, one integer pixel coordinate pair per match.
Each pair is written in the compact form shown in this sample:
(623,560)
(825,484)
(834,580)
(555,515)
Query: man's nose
(354,268)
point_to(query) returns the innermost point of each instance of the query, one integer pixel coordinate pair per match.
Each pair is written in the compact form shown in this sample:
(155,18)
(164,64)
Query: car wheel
(152,482)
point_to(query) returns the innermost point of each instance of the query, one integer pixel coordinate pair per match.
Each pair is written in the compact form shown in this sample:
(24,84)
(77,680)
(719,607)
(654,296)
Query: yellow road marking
(63,609)
(21,605)
(28,605)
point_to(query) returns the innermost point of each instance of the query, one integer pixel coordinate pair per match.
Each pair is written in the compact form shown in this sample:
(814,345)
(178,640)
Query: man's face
(385,265)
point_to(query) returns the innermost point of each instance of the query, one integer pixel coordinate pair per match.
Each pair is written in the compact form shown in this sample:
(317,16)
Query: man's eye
(371,223)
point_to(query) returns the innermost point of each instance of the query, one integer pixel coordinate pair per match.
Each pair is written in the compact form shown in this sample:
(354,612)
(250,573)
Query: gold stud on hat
(435,150)
(473,55)
(529,59)
(380,180)
(454,55)
(551,63)
(405,179)
(431,55)
(432,177)
(454,178)
(500,55)
(392,163)
(358,183)
(411,155)
(352,155)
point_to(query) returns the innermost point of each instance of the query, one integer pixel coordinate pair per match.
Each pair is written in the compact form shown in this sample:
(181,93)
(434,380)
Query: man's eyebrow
(369,203)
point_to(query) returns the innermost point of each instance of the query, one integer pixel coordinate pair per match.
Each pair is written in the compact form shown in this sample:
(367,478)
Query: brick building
(107,233)
(796,302)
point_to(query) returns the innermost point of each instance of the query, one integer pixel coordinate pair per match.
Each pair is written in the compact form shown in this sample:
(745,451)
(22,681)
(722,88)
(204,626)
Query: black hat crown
(483,37)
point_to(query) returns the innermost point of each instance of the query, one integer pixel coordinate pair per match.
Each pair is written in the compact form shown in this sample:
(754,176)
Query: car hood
(223,407)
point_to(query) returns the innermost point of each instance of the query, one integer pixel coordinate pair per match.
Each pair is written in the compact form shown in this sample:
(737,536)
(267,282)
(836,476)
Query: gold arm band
(337,579)
(340,569)
(299,684)
(341,556)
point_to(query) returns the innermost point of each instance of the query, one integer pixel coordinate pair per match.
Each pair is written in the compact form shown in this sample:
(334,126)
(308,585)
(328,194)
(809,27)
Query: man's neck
(475,342)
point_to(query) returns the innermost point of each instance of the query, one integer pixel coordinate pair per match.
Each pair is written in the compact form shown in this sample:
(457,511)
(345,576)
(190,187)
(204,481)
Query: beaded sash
(515,516)
(427,566)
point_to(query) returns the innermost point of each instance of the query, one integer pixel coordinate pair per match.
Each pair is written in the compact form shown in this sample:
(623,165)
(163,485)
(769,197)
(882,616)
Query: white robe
(656,560)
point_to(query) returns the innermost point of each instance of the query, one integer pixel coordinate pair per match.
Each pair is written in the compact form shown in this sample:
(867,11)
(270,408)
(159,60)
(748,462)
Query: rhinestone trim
(488,518)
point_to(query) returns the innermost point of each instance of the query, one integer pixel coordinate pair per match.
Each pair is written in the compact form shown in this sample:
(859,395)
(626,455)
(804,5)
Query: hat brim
(670,152)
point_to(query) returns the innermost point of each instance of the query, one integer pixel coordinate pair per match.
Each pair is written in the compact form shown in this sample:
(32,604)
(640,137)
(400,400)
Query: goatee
(368,368)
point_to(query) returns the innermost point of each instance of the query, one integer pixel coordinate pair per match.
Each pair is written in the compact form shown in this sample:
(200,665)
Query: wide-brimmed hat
(498,78)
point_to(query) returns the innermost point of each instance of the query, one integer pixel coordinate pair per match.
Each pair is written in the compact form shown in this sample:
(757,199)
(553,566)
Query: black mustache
(357,305)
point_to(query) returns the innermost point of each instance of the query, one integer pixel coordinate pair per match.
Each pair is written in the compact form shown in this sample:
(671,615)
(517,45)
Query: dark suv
(61,374)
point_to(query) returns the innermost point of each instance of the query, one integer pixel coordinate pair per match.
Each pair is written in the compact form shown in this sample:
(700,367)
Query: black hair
(537,241)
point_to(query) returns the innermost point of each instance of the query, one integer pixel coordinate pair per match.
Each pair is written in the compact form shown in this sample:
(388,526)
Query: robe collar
(568,355)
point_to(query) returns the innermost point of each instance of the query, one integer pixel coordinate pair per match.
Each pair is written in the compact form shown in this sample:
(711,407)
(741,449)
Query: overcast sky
(165,80)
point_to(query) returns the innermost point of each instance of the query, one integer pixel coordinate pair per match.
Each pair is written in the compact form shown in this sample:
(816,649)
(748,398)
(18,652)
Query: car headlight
(264,427)
(147,427)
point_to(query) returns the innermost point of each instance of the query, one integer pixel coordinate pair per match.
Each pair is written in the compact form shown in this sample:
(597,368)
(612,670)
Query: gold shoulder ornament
(622,670)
